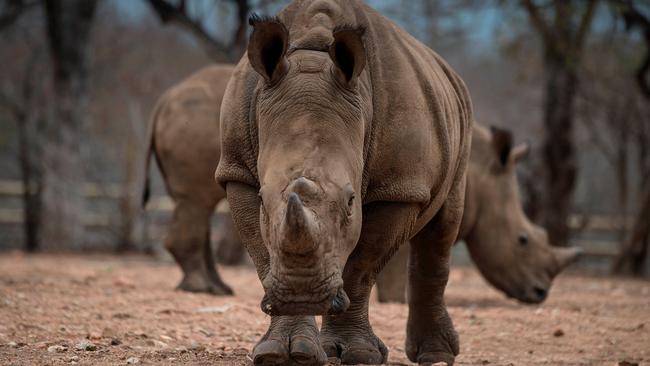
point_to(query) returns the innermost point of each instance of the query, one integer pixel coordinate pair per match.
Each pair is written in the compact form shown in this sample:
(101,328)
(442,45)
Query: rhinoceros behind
(184,137)
(342,138)
(512,253)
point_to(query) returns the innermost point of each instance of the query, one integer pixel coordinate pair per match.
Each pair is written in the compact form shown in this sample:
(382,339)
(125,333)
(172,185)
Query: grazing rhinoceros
(342,138)
(511,252)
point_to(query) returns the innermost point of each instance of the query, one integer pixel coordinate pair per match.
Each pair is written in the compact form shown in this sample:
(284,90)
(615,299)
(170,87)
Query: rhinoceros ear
(502,143)
(348,52)
(267,47)
(519,152)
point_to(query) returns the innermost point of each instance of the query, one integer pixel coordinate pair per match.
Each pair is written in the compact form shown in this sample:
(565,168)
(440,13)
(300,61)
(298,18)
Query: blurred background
(78,79)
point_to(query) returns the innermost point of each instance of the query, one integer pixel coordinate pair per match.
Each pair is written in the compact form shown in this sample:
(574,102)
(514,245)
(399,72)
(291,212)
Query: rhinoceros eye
(351,200)
(523,239)
(259,197)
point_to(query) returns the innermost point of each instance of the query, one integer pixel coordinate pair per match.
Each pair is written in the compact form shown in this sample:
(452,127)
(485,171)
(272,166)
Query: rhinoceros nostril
(540,293)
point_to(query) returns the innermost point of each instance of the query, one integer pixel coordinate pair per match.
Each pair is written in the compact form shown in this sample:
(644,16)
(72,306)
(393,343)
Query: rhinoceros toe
(363,348)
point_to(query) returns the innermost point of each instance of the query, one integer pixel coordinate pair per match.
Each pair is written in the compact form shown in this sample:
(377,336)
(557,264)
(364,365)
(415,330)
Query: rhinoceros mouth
(332,304)
(327,297)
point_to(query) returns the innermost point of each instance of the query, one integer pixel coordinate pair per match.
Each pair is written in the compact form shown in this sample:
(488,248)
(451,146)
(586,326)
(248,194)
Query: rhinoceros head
(311,116)
(511,252)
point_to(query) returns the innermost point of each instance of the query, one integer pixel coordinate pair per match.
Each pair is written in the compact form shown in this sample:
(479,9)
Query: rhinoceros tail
(151,148)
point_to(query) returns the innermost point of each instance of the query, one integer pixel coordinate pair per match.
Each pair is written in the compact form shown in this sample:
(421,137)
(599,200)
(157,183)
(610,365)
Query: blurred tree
(563,26)
(23,96)
(635,250)
(11,10)
(23,105)
(68,32)
(179,13)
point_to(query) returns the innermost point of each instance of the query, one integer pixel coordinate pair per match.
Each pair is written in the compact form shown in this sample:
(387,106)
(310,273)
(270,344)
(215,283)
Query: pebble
(156,343)
(214,309)
(195,346)
(115,342)
(73,359)
(558,333)
(57,349)
(132,360)
(86,346)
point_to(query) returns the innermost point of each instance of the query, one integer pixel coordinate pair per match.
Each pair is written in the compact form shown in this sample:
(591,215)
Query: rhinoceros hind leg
(197,281)
(188,241)
(349,336)
(430,334)
(290,340)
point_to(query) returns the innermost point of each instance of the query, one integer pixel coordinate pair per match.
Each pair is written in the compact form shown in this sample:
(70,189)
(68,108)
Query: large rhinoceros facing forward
(510,251)
(342,138)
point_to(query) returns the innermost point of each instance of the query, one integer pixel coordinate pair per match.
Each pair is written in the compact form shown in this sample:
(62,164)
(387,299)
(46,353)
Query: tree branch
(10,103)
(538,21)
(12,10)
(169,13)
(239,39)
(585,23)
(633,18)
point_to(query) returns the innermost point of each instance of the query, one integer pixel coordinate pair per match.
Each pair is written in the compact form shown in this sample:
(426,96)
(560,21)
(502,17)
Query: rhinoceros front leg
(430,334)
(349,336)
(289,339)
(188,240)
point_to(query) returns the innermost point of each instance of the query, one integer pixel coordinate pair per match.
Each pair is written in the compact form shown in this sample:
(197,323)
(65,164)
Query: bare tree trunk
(530,183)
(633,256)
(68,25)
(558,150)
(622,176)
(129,201)
(563,37)
(31,178)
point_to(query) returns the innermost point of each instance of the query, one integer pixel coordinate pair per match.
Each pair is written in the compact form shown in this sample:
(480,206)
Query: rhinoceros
(511,252)
(184,137)
(342,138)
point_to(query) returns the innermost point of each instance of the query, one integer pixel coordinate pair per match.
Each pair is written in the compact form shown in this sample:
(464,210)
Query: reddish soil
(126,307)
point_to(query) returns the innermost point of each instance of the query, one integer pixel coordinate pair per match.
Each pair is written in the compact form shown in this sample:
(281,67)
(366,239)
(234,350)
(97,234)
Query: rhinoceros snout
(272,304)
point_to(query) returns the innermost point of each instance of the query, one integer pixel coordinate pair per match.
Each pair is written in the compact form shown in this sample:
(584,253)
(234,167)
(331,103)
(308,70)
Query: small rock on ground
(86,346)
(57,349)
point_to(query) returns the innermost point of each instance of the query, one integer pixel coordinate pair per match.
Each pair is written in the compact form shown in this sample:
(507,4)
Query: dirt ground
(100,309)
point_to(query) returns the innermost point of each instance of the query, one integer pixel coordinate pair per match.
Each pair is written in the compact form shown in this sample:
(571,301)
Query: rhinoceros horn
(566,256)
(298,227)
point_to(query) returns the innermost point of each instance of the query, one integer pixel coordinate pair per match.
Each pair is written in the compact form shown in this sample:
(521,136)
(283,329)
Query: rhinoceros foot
(290,340)
(431,338)
(353,345)
(197,281)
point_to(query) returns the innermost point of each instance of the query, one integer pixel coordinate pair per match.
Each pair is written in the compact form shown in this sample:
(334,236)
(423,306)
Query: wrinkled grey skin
(343,138)
(493,224)
(511,252)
